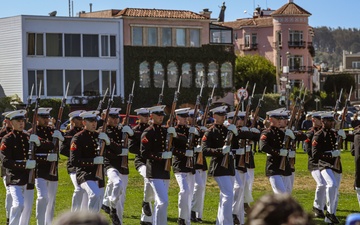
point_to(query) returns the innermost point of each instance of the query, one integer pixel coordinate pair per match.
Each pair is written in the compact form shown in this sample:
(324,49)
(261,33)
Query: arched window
(144,72)
(186,75)
(200,71)
(226,75)
(158,75)
(212,76)
(172,75)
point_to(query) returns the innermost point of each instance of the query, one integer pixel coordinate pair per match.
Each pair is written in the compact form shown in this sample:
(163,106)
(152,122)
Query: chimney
(206,13)
(90,7)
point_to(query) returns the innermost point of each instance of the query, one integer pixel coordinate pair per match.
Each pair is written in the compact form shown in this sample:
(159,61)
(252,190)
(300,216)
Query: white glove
(203,128)
(283,152)
(171,130)
(35,139)
(193,130)
(166,155)
(292,154)
(248,148)
(244,129)
(189,153)
(197,148)
(290,133)
(103,136)
(233,129)
(99,160)
(341,133)
(255,130)
(52,157)
(128,130)
(124,152)
(226,149)
(57,134)
(30,164)
(335,153)
(240,151)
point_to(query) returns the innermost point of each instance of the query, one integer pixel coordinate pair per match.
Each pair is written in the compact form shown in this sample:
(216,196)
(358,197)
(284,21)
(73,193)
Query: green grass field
(303,191)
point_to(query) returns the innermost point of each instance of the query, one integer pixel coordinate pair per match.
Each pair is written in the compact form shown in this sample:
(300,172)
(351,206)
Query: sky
(329,13)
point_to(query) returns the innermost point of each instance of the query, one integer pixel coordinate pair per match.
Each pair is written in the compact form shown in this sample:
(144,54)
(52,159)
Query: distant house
(87,53)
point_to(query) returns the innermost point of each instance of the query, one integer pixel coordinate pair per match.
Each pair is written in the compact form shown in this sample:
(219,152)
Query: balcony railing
(301,69)
(297,44)
(250,47)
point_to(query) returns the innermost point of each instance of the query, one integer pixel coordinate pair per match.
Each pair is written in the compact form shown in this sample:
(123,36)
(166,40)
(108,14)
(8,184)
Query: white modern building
(87,53)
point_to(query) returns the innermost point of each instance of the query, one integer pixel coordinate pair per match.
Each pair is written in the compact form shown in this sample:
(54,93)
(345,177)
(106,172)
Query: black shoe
(236,220)
(106,209)
(146,208)
(246,208)
(332,218)
(7,221)
(181,221)
(199,220)
(114,217)
(193,216)
(145,223)
(318,213)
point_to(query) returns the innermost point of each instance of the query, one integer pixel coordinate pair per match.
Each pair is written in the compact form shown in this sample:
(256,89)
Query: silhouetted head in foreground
(81,218)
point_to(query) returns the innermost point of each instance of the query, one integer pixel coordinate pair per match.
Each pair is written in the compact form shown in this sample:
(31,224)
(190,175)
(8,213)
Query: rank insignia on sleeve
(144,140)
(204,138)
(314,143)
(2,147)
(263,137)
(73,147)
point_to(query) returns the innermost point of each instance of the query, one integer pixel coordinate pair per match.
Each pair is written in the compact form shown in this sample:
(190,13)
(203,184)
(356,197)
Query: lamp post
(317,100)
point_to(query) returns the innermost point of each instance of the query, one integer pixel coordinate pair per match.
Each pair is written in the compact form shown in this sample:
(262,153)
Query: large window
(35,44)
(200,78)
(247,41)
(144,75)
(108,45)
(226,75)
(194,38)
(295,62)
(180,37)
(166,37)
(108,80)
(54,44)
(186,75)
(73,77)
(253,39)
(54,83)
(91,82)
(355,65)
(296,38)
(91,45)
(158,74)
(172,75)
(72,45)
(34,78)
(137,36)
(220,36)
(212,78)
(152,36)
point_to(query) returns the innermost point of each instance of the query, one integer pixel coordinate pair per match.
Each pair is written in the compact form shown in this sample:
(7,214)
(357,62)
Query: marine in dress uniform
(46,185)
(184,173)
(14,155)
(79,197)
(271,142)
(84,156)
(117,175)
(197,203)
(153,149)
(213,143)
(7,128)
(324,150)
(313,167)
(140,164)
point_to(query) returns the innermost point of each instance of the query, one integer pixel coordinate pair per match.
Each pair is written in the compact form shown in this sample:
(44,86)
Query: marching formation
(97,152)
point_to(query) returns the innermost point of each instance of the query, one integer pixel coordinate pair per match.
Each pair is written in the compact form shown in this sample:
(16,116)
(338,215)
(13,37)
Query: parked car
(132,119)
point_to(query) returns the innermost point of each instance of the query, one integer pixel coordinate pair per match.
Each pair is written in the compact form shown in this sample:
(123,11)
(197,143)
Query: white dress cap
(44,111)
(182,111)
(113,111)
(219,110)
(141,111)
(89,114)
(75,114)
(157,109)
(17,114)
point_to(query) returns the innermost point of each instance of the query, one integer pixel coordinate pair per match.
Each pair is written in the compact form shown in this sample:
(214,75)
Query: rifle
(55,141)
(99,170)
(243,141)
(169,137)
(338,102)
(125,137)
(101,102)
(230,134)
(256,113)
(32,146)
(28,104)
(200,160)
(339,140)
(190,160)
(161,95)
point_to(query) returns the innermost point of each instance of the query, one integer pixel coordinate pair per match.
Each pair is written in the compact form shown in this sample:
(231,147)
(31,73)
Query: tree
(255,69)
(334,83)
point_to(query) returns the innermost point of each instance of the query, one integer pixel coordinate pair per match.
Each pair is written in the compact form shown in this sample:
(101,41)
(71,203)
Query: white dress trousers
(148,194)
(239,191)
(28,203)
(45,202)
(21,199)
(8,199)
(94,195)
(186,184)
(197,204)
(332,180)
(161,188)
(79,198)
(278,184)
(320,191)
(249,181)
(226,185)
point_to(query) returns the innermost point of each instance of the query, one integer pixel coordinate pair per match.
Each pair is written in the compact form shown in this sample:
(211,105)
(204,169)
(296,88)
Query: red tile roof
(262,21)
(160,13)
(290,9)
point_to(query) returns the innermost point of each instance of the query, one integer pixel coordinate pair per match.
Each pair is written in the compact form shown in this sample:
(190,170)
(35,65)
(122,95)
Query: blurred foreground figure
(81,217)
